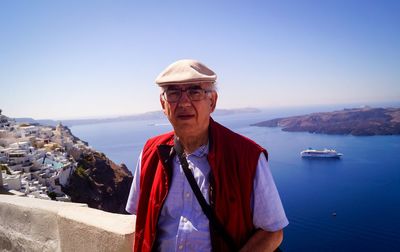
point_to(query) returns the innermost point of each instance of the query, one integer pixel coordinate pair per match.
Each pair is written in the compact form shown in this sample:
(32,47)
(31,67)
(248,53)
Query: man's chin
(185,127)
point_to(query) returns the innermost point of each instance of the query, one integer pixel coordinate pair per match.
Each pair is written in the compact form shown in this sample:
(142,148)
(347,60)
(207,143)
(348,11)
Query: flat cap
(185,71)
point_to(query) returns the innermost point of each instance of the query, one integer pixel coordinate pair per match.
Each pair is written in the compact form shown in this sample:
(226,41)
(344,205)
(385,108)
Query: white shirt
(182,225)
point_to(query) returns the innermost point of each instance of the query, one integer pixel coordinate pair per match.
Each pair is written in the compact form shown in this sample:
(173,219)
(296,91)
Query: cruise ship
(325,153)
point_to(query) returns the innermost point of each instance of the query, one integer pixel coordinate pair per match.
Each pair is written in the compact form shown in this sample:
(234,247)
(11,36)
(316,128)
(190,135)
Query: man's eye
(195,91)
(173,92)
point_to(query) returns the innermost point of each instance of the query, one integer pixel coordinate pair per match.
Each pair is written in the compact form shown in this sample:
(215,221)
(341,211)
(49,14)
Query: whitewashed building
(46,132)
(20,145)
(30,130)
(12,182)
(19,160)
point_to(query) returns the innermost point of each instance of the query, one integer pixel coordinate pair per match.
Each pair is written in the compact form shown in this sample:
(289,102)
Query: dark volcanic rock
(358,122)
(100,183)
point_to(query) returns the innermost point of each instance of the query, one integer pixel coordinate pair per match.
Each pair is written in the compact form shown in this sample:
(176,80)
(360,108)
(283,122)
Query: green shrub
(5,168)
(80,171)
(52,195)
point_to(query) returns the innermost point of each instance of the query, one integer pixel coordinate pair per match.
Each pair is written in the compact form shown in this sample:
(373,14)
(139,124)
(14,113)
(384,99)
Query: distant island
(364,121)
(153,115)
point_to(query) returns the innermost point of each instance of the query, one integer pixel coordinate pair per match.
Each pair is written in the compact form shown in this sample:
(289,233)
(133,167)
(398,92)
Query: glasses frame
(182,90)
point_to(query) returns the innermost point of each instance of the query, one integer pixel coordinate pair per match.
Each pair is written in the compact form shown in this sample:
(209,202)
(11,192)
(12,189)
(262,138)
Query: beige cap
(185,71)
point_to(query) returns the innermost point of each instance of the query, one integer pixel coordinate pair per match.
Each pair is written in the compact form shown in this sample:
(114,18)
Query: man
(230,170)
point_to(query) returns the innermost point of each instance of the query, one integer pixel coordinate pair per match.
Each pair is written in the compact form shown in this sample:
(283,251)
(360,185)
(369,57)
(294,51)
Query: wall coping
(44,225)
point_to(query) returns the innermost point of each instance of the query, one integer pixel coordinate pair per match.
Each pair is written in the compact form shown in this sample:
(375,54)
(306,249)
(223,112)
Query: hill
(356,121)
(152,115)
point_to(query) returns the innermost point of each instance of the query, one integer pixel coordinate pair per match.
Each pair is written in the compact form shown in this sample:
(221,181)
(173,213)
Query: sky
(87,59)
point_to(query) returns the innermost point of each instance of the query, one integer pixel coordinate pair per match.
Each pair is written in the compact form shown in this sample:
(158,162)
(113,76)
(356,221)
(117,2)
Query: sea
(346,204)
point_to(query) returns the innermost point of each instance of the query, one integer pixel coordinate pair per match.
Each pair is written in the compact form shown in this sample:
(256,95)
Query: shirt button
(187,195)
(180,247)
(185,219)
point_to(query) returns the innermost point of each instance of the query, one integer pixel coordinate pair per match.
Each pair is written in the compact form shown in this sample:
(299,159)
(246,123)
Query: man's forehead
(188,85)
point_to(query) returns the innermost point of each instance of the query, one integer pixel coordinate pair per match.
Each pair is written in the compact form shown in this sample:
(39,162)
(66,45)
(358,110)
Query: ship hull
(320,154)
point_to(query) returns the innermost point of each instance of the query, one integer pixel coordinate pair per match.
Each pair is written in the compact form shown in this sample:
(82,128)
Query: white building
(46,132)
(12,182)
(64,174)
(20,145)
(29,130)
(19,160)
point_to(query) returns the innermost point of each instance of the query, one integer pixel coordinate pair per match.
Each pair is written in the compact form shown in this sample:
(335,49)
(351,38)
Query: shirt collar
(201,151)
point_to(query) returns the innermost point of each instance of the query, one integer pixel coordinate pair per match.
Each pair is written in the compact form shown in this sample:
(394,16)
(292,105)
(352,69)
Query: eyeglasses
(194,94)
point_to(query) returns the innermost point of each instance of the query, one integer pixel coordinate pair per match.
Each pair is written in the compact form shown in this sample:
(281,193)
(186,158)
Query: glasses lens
(194,94)
(173,95)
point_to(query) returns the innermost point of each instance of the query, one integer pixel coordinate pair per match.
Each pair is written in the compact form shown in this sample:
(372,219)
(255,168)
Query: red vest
(233,160)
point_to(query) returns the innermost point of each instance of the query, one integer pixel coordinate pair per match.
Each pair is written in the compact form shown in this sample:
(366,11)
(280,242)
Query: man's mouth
(185,116)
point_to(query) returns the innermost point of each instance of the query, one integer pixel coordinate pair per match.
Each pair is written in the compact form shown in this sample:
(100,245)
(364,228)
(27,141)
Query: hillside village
(37,160)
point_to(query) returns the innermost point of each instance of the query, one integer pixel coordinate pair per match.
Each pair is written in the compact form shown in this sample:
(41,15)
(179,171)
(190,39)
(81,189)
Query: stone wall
(28,224)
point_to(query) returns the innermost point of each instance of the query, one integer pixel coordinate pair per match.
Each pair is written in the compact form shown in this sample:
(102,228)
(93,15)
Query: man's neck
(192,143)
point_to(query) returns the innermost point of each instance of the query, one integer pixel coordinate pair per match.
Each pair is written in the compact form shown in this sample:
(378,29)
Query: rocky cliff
(100,183)
(358,121)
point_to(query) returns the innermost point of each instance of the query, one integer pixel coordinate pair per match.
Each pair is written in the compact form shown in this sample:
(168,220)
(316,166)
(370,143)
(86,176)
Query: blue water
(362,188)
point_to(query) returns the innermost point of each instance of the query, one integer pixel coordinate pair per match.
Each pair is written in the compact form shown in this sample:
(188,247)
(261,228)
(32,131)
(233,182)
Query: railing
(28,224)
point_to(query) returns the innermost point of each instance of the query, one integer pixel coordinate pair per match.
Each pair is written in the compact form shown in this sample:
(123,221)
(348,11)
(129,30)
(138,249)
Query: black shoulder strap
(203,203)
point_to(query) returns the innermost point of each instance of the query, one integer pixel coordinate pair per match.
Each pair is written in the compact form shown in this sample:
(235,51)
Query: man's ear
(162,101)
(214,98)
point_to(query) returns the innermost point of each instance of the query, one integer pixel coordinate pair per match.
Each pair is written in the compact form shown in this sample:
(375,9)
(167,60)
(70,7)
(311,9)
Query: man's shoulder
(229,135)
(166,138)
(152,144)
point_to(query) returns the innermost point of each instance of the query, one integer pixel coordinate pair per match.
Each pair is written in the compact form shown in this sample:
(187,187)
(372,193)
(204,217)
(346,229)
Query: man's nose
(184,100)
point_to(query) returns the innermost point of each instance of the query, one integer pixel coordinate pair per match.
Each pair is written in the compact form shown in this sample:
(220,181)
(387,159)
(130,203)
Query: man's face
(189,115)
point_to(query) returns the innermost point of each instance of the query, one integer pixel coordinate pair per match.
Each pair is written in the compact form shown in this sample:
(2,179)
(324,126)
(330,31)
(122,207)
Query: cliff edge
(100,183)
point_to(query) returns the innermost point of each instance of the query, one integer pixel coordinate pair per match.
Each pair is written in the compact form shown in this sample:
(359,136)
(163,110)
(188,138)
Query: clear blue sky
(74,59)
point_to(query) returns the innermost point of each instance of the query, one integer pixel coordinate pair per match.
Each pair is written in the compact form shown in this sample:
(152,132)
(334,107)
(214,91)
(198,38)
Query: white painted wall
(28,224)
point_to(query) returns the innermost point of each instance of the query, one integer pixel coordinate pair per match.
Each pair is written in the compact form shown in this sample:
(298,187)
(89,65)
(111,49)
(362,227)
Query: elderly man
(202,187)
